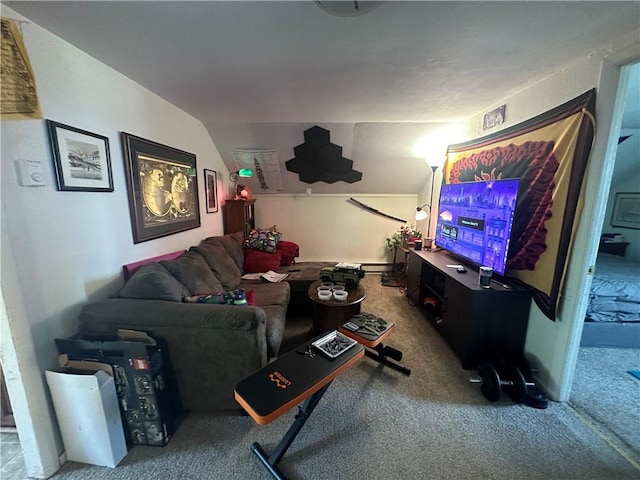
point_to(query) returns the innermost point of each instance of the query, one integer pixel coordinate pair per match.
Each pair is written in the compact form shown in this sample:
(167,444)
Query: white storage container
(86,406)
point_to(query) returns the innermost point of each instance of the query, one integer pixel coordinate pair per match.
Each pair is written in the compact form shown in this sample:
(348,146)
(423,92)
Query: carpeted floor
(608,398)
(376,423)
(389,280)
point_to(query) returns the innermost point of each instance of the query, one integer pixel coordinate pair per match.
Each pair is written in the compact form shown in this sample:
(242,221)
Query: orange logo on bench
(279,379)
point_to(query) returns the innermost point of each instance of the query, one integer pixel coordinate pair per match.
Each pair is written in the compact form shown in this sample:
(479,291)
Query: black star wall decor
(319,160)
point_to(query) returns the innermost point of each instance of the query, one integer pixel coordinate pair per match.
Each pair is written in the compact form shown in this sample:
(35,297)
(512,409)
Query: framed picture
(210,182)
(81,158)
(494,117)
(626,210)
(162,187)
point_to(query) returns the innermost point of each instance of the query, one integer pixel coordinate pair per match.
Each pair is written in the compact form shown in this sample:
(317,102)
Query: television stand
(479,324)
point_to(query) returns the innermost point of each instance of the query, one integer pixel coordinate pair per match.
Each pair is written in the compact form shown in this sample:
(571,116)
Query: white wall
(62,249)
(553,345)
(332,228)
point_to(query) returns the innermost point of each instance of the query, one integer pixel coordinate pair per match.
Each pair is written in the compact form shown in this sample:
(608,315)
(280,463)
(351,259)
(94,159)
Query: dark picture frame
(82,159)
(162,187)
(211,189)
(626,210)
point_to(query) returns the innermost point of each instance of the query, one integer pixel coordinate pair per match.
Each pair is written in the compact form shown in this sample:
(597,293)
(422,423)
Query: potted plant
(405,235)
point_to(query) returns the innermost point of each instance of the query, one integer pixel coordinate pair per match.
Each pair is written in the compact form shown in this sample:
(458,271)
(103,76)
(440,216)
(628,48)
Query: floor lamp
(421,214)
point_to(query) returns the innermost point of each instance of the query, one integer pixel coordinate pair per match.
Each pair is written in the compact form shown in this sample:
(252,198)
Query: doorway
(603,394)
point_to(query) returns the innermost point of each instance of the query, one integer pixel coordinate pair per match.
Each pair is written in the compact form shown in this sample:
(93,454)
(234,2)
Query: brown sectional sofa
(212,346)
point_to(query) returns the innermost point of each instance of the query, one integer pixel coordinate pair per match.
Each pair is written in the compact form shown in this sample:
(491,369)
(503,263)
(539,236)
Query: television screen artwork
(475,220)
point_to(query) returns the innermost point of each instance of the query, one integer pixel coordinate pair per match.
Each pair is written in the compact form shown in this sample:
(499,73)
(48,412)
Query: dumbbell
(491,384)
(535,397)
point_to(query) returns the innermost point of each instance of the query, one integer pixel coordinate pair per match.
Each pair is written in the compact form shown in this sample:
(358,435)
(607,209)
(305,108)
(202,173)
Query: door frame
(611,91)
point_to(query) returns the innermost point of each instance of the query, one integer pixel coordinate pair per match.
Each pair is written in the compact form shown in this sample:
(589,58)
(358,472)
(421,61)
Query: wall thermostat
(31,173)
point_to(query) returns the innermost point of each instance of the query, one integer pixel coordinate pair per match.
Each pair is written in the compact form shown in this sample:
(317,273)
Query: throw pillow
(289,250)
(222,265)
(234,297)
(257,261)
(192,271)
(251,298)
(153,282)
(265,240)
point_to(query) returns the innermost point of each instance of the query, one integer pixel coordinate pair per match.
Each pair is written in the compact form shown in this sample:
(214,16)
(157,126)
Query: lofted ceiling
(258,74)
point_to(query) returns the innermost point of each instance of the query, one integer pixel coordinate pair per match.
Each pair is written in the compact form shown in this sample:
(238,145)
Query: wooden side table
(329,314)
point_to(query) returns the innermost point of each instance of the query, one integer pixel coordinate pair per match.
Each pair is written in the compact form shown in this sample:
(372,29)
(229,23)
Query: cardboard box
(147,392)
(86,404)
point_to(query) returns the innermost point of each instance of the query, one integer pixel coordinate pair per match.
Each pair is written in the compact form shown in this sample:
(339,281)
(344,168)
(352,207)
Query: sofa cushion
(265,240)
(270,293)
(153,282)
(304,274)
(257,261)
(223,266)
(192,271)
(233,243)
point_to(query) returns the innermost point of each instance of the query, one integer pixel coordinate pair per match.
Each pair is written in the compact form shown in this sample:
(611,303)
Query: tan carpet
(376,423)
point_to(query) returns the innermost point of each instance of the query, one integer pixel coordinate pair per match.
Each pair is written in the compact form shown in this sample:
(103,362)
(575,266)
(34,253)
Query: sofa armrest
(211,347)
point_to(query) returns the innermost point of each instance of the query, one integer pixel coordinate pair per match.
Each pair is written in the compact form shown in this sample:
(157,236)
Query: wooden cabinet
(479,324)
(239,216)
(414,270)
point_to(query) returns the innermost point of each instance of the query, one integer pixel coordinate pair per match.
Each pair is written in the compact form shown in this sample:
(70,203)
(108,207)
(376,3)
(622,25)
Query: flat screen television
(475,220)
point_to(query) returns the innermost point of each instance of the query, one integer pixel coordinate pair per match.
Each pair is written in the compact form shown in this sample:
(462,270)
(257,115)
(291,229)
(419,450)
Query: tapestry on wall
(19,96)
(549,155)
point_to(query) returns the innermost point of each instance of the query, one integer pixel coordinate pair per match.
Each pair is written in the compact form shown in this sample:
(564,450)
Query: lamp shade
(421,214)
(243,172)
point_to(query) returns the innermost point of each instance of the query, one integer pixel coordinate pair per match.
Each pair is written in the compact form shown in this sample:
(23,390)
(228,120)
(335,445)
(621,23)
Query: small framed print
(626,210)
(494,117)
(82,159)
(211,182)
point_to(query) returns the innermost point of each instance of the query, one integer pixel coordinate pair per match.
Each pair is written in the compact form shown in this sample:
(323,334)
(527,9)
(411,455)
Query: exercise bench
(301,375)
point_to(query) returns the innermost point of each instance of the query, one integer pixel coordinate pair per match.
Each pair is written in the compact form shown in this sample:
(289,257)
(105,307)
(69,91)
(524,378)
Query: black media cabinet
(479,324)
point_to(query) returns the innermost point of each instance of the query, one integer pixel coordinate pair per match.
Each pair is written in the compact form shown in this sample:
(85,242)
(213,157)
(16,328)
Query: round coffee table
(329,314)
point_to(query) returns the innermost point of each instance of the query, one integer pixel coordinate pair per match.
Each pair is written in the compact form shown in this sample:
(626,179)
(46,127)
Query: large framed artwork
(162,187)
(82,159)
(626,210)
(549,155)
(210,183)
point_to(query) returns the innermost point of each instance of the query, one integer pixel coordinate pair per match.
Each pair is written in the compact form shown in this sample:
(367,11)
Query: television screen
(475,220)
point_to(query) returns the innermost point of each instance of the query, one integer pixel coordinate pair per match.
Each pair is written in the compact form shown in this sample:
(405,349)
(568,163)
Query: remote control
(351,326)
